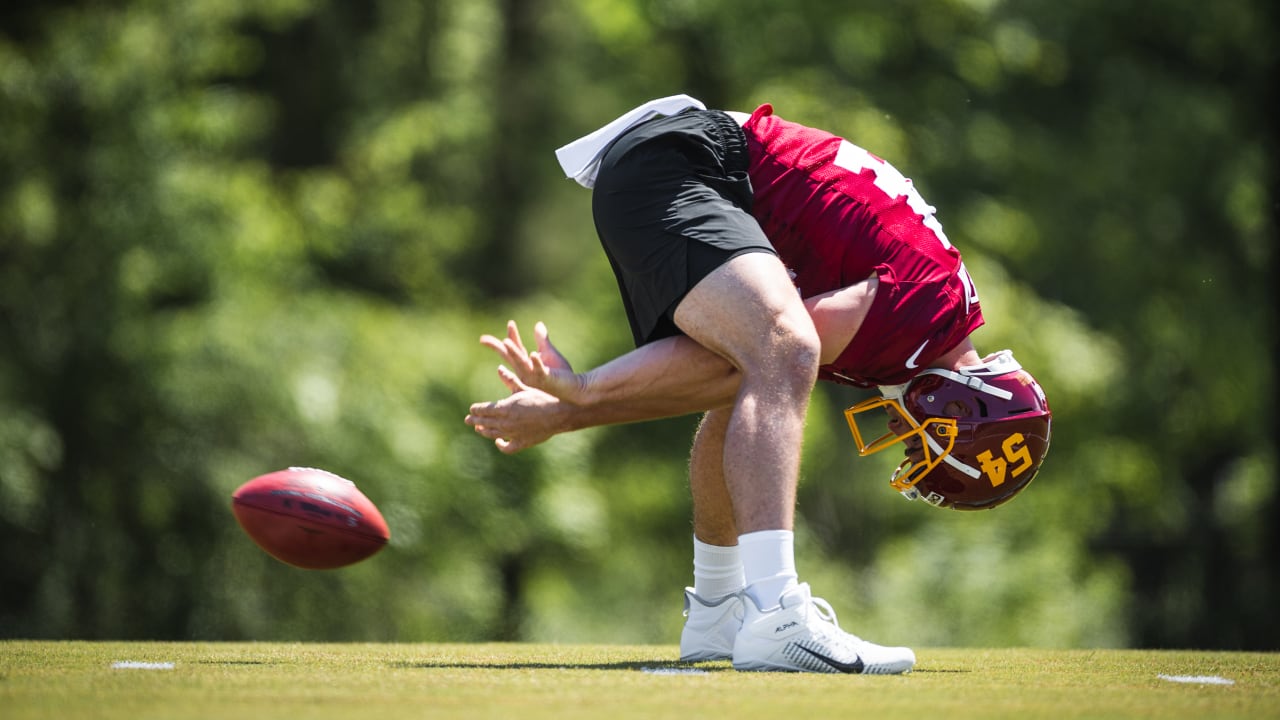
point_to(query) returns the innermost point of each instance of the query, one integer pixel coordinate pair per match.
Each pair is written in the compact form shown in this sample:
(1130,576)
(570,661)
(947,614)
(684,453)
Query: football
(310,518)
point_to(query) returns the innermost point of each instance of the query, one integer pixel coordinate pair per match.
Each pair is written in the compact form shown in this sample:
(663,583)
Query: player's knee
(798,329)
(792,350)
(804,351)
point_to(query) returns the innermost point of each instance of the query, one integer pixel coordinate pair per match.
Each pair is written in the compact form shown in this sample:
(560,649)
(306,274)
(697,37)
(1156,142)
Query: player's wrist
(584,391)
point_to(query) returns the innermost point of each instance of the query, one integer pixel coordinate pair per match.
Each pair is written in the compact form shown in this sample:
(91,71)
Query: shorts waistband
(716,132)
(732,138)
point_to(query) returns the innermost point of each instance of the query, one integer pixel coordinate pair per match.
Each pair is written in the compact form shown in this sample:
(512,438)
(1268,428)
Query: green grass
(385,681)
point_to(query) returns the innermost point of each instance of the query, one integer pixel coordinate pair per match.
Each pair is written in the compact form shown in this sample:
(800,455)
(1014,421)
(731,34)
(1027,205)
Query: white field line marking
(1200,679)
(134,665)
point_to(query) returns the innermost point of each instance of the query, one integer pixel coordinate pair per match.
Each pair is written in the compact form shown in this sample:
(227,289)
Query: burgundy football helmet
(983,431)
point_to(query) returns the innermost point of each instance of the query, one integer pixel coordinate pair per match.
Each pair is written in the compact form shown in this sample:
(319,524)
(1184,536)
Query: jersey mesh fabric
(834,225)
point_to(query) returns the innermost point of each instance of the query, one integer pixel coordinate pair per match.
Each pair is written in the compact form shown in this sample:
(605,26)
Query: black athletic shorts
(672,203)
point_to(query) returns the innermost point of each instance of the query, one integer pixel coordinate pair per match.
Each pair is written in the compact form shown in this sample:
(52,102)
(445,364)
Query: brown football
(310,518)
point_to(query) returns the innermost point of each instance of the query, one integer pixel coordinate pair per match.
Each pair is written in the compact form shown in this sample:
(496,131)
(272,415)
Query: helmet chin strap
(952,461)
(971,376)
(973,382)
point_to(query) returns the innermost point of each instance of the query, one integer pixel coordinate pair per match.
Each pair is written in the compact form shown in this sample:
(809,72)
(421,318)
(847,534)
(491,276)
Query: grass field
(183,681)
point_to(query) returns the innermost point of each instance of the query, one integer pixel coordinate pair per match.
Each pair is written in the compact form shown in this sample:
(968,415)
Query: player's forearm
(671,377)
(677,376)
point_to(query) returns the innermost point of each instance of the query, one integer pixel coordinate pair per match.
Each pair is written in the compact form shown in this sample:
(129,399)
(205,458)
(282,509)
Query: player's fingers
(511,380)
(508,447)
(515,354)
(551,356)
(481,413)
(491,428)
(536,363)
(513,334)
(505,349)
(544,341)
(488,431)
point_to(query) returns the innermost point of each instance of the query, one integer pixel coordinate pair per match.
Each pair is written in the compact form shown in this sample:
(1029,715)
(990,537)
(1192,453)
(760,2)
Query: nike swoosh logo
(853,668)
(911,361)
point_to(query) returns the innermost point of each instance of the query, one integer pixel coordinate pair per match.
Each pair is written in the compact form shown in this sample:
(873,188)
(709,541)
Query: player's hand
(525,418)
(546,368)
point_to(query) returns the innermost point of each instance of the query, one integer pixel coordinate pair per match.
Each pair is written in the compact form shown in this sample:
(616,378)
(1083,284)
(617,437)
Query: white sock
(769,565)
(717,570)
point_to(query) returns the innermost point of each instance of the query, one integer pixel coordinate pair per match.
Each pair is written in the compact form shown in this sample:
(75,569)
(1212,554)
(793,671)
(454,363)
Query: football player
(755,255)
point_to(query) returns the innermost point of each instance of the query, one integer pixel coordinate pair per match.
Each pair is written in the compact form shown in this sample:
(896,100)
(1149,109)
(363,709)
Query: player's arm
(668,378)
(671,377)
(677,376)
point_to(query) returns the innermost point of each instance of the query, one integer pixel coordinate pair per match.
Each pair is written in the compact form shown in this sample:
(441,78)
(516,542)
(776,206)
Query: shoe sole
(703,656)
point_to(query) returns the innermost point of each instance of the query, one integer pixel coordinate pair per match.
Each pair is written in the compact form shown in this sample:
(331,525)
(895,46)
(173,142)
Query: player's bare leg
(712,506)
(714,605)
(748,312)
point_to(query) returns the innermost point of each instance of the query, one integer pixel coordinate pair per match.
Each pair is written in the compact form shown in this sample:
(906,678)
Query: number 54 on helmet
(974,437)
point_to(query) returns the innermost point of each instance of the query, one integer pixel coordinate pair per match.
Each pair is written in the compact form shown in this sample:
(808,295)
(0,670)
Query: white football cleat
(802,635)
(709,627)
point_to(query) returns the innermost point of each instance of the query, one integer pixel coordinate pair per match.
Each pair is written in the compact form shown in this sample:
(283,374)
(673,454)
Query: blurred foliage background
(239,235)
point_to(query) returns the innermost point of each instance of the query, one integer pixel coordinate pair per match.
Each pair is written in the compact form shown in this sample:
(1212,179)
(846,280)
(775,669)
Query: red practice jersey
(838,215)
